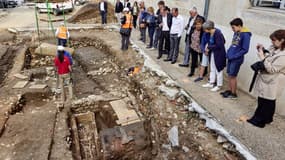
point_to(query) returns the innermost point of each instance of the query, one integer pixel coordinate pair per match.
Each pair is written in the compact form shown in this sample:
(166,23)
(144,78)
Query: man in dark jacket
(127,4)
(235,55)
(161,5)
(165,22)
(193,16)
(142,23)
(103,8)
(118,10)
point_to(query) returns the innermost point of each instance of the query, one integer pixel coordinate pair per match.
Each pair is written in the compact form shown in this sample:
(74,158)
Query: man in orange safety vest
(126,28)
(62,35)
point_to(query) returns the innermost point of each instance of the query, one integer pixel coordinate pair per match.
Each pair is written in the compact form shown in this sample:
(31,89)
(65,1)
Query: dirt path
(18,17)
(28,134)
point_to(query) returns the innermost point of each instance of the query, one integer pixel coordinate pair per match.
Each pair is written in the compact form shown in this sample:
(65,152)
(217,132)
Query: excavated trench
(115,115)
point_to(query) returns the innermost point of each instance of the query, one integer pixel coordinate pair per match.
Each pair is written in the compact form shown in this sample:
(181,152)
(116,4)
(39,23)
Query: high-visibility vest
(128,23)
(62,32)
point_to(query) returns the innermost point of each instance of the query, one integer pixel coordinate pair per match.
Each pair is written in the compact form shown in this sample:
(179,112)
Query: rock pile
(90,14)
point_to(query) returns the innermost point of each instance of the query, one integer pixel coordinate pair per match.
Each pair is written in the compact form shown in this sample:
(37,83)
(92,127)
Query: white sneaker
(153,48)
(208,85)
(215,89)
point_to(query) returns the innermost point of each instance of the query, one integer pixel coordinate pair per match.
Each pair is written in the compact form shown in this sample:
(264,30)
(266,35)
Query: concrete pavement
(266,144)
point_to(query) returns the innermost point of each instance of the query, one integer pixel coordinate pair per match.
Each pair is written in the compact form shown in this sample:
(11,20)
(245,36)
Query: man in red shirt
(62,63)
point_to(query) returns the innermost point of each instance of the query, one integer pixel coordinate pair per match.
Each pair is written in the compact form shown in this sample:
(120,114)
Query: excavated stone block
(47,49)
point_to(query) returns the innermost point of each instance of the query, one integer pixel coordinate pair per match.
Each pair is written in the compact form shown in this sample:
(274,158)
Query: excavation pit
(114,116)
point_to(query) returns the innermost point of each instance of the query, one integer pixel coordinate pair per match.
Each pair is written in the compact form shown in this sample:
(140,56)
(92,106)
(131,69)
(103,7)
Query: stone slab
(20,76)
(47,49)
(20,84)
(38,86)
(124,114)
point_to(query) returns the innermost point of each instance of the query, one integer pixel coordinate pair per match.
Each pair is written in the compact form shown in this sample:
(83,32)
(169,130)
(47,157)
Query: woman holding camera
(266,85)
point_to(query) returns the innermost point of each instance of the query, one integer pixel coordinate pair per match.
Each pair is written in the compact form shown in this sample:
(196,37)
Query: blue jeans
(151,31)
(125,42)
(61,42)
(156,37)
(104,17)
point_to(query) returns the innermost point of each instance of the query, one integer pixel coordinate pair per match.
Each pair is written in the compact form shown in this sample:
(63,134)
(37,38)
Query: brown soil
(89,13)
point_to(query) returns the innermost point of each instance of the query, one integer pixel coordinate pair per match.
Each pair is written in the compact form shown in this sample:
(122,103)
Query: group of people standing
(204,45)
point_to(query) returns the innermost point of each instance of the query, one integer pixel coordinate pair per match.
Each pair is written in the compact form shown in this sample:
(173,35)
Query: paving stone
(125,115)
(20,76)
(20,84)
(47,49)
(38,86)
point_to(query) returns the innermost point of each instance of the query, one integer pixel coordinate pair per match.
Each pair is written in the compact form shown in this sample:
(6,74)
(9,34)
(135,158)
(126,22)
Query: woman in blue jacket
(151,25)
(215,46)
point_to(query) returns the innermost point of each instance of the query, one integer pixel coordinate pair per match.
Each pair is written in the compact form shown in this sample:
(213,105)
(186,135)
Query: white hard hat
(126,9)
(60,48)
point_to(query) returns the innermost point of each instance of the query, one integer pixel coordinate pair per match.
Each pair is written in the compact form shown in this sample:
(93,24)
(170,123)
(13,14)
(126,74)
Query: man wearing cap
(193,16)
(62,35)
(63,69)
(127,24)
(66,54)
(61,49)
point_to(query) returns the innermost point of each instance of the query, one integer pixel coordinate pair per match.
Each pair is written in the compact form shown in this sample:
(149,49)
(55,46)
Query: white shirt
(165,25)
(177,26)
(191,24)
(102,7)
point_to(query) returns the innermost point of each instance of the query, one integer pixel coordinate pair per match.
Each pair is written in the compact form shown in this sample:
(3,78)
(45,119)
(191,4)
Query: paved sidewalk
(266,144)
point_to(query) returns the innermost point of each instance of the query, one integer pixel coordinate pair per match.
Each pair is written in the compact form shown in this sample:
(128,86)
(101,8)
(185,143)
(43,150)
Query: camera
(258,66)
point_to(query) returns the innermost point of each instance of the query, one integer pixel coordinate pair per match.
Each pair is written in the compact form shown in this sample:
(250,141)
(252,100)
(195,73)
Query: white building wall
(261,21)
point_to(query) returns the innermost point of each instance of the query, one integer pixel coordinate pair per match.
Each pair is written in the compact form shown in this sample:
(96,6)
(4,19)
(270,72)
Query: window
(278,4)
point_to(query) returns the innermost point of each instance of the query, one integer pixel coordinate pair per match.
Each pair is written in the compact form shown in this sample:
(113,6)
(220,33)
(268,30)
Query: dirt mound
(90,14)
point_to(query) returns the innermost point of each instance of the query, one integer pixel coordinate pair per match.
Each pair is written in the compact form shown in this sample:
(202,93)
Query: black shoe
(183,65)
(226,93)
(166,60)
(198,79)
(257,124)
(231,96)
(173,62)
(158,57)
(269,121)
(190,74)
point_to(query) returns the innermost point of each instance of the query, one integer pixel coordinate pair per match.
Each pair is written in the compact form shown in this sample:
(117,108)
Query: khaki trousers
(65,78)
